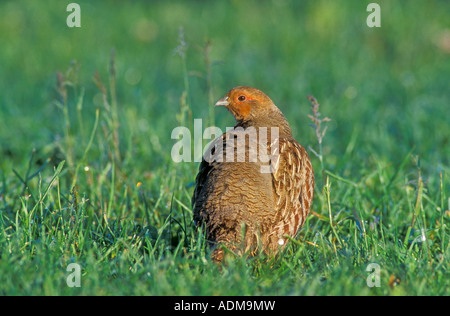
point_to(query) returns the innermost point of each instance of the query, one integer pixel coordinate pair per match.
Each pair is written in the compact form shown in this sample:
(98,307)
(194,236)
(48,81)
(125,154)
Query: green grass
(86,174)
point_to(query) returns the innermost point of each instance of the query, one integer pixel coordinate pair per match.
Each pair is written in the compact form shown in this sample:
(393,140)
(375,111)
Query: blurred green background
(385,89)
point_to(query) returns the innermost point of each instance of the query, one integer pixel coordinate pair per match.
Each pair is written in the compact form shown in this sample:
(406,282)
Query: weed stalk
(320,133)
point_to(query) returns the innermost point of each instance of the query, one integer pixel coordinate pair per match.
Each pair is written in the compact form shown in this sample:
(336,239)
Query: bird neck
(272,119)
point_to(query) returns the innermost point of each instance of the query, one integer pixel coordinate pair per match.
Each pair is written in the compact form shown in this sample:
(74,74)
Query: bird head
(247,103)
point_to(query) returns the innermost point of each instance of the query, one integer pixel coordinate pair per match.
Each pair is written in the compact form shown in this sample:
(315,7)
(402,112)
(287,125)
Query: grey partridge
(246,201)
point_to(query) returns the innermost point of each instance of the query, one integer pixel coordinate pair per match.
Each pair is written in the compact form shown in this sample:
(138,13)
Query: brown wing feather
(199,181)
(202,177)
(293,185)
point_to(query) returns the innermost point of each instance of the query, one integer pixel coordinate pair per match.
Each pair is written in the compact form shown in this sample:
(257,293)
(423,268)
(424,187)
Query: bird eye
(241,98)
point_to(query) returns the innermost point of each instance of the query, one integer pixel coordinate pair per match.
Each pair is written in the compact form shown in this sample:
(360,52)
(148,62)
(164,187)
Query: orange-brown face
(245,102)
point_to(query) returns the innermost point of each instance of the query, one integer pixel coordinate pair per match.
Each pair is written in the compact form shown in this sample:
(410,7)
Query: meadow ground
(86,116)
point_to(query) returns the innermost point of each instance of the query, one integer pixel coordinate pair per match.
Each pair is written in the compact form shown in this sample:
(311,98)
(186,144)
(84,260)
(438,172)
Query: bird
(243,200)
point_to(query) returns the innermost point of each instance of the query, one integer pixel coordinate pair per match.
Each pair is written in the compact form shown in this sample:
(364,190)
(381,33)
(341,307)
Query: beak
(223,101)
